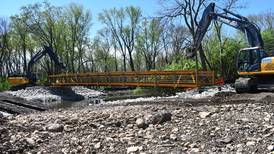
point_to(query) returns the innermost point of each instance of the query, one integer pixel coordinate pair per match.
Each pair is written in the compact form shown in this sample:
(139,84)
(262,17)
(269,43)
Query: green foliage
(148,42)
(138,90)
(4,84)
(123,24)
(42,80)
(223,56)
(268,38)
(184,64)
(153,91)
(125,40)
(64,29)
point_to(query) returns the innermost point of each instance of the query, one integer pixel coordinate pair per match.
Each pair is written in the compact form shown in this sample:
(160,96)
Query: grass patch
(138,90)
(4,84)
(154,91)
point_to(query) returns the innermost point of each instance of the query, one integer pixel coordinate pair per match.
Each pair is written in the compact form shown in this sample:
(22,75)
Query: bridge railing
(171,79)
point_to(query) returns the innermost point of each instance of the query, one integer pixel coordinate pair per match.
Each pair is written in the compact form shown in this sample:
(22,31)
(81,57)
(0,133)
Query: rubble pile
(243,127)
(87,93)
(54,95)
(40,94)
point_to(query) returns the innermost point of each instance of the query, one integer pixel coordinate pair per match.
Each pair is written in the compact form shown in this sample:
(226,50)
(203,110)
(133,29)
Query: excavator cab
(250,59)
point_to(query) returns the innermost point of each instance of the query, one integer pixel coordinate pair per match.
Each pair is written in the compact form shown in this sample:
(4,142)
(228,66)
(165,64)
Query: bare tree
(189,11)
(179,41)
(264,20)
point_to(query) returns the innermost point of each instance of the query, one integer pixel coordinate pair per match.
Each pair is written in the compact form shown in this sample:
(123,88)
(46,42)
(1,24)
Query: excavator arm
(229,18)
(20,82)
(53,56)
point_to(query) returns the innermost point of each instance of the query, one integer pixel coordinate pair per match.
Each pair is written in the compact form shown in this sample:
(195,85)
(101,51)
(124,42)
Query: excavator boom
(229,18)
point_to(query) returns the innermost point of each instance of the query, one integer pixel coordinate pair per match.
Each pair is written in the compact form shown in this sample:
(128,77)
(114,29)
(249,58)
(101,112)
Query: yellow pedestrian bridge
(186,79)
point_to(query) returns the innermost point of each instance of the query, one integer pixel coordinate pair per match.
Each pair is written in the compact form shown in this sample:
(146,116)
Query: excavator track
(246,85)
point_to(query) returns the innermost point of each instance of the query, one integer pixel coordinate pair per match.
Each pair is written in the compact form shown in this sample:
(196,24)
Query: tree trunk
(24,56)
(203,59)
(125,63)
(131,62)
(116,63)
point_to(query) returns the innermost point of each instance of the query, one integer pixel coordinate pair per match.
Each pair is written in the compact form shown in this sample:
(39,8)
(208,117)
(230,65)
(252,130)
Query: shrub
(183,64)
(4,84)
(42,80)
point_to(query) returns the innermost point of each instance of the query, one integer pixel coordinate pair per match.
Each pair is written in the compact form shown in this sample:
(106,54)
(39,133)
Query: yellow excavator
(19,81)
(255,66)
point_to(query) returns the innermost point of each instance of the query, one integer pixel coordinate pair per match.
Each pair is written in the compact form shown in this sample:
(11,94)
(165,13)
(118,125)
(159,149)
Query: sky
(149,7)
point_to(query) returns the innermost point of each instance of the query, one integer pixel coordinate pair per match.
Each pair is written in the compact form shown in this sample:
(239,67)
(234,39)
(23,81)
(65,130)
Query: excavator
(20,82)
(255,66)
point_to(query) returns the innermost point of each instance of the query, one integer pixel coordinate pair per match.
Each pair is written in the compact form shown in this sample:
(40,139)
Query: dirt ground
(225,123)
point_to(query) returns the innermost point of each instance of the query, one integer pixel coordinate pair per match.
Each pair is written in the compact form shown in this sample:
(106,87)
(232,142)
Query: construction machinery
(21,81)
(255,66)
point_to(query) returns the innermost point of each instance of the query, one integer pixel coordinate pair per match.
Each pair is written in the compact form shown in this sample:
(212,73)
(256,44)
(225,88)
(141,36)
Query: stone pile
(53,96)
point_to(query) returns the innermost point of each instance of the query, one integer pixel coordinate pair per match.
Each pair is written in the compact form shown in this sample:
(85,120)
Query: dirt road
(226,123)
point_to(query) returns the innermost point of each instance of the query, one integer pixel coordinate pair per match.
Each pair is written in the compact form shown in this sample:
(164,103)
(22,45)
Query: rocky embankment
(244,126)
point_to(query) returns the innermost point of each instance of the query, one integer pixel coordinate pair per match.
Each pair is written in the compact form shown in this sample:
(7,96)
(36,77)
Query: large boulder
(55,127)
(158,118)
(154,119)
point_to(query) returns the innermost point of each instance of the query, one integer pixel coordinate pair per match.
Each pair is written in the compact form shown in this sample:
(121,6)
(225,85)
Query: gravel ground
(226,123)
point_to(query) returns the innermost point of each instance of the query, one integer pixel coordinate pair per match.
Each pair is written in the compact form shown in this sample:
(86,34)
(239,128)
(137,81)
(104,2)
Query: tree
(65,30)
(6,65)
(115,48)
(264,20)
(189,11)
(123,24)
(149,42)
(20,32)
(228,5)
(268,38)
(78,22)
(231,46)
(102,51)
(179,41)
(41,20)
(175,38)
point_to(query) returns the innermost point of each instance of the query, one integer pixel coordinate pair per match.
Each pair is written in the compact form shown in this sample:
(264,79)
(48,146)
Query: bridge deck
(170,79)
